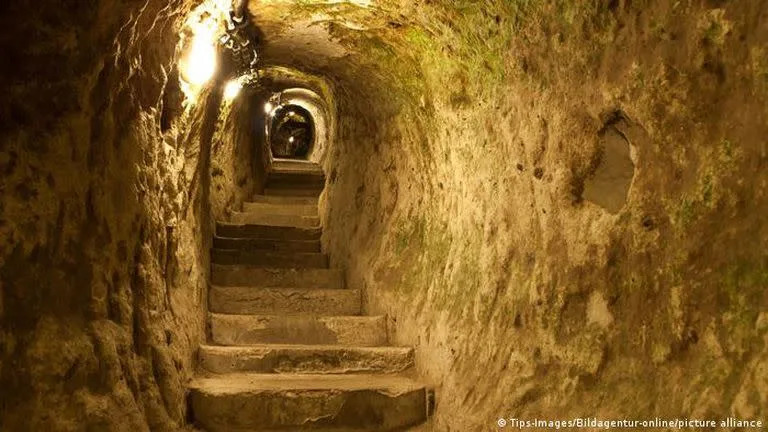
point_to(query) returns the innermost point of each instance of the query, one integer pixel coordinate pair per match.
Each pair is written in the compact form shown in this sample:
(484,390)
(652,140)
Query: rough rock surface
(459,199)
(102,220)
(468,135)
(237,160)
(457,203)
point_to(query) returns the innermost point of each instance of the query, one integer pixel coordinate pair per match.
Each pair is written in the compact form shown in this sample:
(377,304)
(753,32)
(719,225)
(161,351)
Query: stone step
(267,244)
(290,179)
(295,209)
(225,229)
(239,275)
(260,258)
(297,402)
(281,220)
(319,359)
(294,192)
(248,300)
(284,200)
(281,164)
(298,329)
(293,172)
(296,174)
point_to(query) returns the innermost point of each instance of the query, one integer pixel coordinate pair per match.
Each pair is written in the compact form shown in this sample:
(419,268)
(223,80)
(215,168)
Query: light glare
(268,107)
(201,64)
(198,46)
(232,89)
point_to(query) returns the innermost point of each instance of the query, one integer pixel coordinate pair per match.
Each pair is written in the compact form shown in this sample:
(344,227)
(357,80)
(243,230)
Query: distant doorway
(291,132)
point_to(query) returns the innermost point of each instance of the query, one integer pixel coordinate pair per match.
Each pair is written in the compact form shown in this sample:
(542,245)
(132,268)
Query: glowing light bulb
(232,89)
(268,107)
(290,140)
(201,63)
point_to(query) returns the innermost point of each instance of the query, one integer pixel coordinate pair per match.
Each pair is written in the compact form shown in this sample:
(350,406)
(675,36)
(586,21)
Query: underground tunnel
(383,215)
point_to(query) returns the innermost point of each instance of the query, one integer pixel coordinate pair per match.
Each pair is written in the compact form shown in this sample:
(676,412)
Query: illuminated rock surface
(559,205)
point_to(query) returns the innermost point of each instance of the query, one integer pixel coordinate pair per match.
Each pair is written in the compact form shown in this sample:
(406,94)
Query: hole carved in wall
(611,174)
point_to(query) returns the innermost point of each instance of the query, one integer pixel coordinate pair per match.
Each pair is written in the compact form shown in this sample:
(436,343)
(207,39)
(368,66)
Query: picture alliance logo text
(596,423)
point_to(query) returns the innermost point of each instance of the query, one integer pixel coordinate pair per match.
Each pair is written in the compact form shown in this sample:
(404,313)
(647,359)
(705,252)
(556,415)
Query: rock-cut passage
(289,349)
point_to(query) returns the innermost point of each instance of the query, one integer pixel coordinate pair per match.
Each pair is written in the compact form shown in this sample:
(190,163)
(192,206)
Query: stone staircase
(289,349)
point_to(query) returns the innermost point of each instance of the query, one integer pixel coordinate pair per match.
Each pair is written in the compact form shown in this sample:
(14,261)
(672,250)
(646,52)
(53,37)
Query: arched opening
(291,132)
(297,123)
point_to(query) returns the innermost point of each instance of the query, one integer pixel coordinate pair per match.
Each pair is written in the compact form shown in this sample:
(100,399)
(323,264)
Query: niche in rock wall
(609,182)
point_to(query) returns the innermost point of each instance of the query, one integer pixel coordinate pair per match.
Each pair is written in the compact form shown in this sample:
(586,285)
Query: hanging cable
(240,39)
